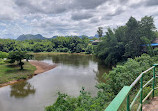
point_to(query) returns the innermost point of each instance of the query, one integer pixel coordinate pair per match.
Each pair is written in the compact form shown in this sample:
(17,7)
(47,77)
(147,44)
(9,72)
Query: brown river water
(72,72)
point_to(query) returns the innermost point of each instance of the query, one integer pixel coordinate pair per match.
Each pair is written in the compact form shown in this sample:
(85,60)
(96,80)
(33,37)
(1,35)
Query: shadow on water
(67,59)
(77,61)
(101,71)
(22,89)
(73,72)
(72,60)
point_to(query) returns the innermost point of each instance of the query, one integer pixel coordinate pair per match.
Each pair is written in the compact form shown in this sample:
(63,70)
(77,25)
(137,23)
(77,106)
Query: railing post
(153,82)
(124,93)
(141,93)
(128,102)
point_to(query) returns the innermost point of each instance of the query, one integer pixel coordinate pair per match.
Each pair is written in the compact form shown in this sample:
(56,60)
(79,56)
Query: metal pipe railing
(138,78)
(124,93)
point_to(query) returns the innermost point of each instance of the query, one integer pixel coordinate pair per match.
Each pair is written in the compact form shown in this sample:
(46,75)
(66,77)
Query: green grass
(10,72)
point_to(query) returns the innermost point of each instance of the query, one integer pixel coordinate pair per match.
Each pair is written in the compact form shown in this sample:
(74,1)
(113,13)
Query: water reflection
(77,61)
(22,89)
(100,72)
(67,59)
(73,72)
(72,60)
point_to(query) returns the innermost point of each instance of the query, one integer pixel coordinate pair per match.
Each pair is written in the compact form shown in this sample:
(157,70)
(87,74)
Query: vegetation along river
(72,72)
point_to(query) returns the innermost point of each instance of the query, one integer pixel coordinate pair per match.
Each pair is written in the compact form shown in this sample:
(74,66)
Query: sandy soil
(40,68)
(152,106)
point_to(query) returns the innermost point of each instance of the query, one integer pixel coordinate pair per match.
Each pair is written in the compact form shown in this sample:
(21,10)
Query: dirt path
(152,106)
(41,66)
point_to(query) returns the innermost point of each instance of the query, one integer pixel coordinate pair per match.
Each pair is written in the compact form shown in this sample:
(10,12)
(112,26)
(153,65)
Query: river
(72,72)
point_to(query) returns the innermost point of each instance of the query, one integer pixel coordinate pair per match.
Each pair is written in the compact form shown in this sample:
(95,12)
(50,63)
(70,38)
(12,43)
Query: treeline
(115,80)
(125,43)
(128,41)
(59,44)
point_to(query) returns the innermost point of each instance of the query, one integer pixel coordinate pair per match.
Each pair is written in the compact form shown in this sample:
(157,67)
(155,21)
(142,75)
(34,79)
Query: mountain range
(30,36)
(39,36)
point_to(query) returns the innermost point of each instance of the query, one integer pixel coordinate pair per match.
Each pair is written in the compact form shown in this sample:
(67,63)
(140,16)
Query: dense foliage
(115,80)
(127,41)
(59,44)
(2,56)
(100,31)
(17,56)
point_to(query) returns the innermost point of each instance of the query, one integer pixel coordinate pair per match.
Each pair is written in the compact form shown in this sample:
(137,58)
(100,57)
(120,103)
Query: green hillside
(30,36)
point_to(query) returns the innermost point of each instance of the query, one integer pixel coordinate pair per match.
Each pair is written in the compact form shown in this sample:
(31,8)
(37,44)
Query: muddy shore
(41,66)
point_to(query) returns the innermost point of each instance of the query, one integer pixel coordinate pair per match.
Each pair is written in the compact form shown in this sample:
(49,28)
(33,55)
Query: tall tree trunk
(21,65)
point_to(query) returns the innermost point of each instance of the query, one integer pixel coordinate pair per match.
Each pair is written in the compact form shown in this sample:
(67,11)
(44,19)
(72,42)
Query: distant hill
(54,37)
(39,36)
(30,36)
(70,36)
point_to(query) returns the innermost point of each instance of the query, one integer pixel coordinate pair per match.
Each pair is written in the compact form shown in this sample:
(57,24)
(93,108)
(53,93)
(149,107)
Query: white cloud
(69,17)
(7,10)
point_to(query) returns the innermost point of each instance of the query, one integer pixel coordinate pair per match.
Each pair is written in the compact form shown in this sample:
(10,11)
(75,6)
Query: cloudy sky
(69,17)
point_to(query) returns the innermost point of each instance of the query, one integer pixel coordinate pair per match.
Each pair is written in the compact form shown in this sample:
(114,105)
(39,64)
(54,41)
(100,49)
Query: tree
(100,31)
(17,56)
(28,56)
(21,90)
(147,28)
(3,54)
(133,41)
(89,49)
(38,47)
(110,50)
(127,41)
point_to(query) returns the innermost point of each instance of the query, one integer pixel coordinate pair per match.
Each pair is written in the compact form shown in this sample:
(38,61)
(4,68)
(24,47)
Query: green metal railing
(124,93)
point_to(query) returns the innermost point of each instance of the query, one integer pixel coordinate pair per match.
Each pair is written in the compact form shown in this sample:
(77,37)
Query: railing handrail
(117,101)
(120,97)
(138,78)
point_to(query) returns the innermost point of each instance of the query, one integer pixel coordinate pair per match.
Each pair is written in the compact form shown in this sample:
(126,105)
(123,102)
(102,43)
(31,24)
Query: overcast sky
(69,17)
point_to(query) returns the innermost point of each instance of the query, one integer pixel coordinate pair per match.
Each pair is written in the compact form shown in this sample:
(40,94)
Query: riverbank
(56,53)
(10,74)
(41,66)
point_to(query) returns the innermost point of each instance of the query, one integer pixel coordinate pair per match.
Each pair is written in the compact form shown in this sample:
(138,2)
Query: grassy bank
(55,53)
(12,72)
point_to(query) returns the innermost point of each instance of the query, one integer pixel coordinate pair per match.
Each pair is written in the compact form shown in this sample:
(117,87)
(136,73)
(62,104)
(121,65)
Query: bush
(156,51)
(84,102)
(146,90)
(89,49)
(3,54)
(2,61)
(62,49)
(118,77)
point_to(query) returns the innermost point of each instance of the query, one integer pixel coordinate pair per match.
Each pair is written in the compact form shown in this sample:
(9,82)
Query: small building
(154,44)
